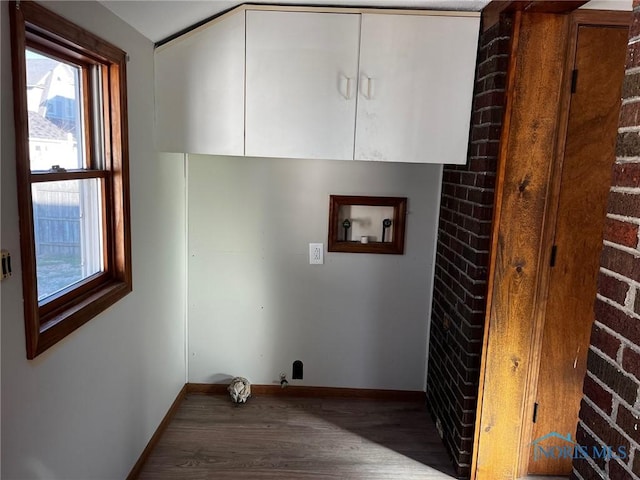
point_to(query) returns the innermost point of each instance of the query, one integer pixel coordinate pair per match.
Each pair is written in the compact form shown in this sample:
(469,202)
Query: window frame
(33,25)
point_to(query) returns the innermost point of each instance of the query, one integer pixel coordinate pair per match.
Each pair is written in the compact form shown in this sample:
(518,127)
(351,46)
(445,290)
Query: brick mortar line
(588,458)
(624,218)
(489,107)
(459,330)
(485,92)
(473,187)
(628,100)
(462,315)
(632,458)
(619,276)
(474,158)
(494,72)
(632,71)
(486,173)
(601,353)
(467,262)
(475,250)
(494,40)
(608,389)
(461,271)
(628,190)
(479,341)
(635,128)
(458,359)
(478,237)
(490,124)
(473,312)
(497,55)
(464,215)
(577,475)
(625,343)
(616,305)
(483,297)
(625,161)
(613,425)
(478,282)
(632,251)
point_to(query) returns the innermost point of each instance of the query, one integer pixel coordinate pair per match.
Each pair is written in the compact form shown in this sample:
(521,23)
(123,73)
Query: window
(72,168)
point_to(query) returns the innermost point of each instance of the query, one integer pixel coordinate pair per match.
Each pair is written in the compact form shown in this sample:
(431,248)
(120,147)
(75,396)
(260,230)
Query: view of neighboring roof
(37,69)
(40,127)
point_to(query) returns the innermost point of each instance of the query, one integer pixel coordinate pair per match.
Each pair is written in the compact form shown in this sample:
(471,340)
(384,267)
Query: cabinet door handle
(347,91)
(368,94)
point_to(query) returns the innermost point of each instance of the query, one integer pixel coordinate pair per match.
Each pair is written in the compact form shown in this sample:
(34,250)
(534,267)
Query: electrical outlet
(316,253)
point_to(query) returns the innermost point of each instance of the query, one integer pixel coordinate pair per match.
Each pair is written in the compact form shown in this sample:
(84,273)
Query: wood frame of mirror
(337,242)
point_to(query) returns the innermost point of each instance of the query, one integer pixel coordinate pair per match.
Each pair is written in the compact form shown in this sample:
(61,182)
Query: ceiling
(159,19)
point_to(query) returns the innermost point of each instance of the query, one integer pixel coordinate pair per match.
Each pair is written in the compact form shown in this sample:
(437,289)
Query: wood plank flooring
(274,437)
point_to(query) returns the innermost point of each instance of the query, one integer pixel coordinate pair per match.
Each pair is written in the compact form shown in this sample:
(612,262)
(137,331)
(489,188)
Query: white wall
(86,408)
(255,303)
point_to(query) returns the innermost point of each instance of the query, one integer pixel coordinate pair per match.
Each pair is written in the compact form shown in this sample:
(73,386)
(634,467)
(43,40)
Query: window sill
(57,325)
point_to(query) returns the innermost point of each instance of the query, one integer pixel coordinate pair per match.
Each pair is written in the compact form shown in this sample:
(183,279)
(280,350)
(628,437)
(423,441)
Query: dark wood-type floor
(273,437)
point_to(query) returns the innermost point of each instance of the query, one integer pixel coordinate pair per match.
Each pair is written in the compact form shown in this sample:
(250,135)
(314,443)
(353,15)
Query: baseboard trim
(137,468)
(304,391)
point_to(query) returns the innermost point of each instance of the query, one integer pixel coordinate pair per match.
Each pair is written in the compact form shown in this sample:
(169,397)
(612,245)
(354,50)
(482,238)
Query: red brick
(586,471)
(498,63)
(618,321)
(602,427)
(631,85)
(617,471)
(633,55)
(629,422)
(612,288)
(630,112)
(628,144)
(631,362)
(627,174)
(586,440)
(598,395)
(620,262)
(634,29)
(626,204)
(622,233)
(489,99)
(605,342)
(611,375)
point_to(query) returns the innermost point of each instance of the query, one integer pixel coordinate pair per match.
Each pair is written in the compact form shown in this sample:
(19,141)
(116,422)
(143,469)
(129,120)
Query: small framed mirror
(360,224)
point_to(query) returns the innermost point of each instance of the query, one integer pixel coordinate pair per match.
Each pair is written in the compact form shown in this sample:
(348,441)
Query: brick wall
(464,230)
(610,407)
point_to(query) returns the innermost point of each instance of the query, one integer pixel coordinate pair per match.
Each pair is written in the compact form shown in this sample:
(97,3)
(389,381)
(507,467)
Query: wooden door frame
(526,206)
(577,19)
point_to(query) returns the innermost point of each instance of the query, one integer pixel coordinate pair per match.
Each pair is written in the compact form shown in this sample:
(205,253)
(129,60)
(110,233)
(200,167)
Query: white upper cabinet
(301,82)
(416,87)
(199,90)
(339,84)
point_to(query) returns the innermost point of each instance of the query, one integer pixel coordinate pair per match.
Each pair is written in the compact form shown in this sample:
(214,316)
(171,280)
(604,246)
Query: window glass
(68,233)
(54,101)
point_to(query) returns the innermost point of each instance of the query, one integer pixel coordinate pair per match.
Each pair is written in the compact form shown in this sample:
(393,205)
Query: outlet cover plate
(316,253)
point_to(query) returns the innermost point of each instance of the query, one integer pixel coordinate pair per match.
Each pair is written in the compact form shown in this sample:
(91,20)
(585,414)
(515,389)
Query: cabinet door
(416,87)
(301,84)
(199,87)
